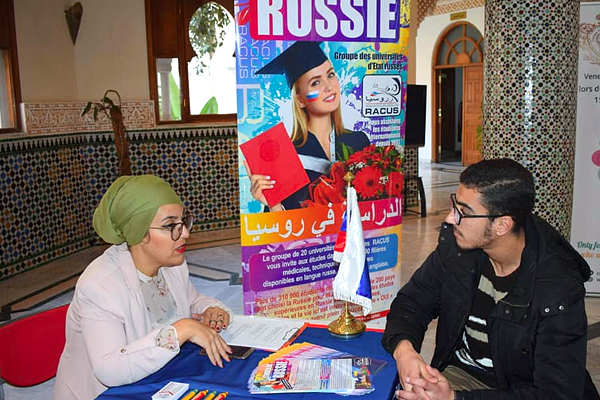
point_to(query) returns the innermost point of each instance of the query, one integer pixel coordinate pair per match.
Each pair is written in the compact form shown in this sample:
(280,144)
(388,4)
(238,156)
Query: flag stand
(346,326)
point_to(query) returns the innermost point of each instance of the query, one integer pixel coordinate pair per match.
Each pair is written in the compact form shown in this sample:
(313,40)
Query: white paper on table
(262,333)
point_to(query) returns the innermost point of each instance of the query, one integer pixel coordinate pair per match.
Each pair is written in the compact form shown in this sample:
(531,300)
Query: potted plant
(115,115)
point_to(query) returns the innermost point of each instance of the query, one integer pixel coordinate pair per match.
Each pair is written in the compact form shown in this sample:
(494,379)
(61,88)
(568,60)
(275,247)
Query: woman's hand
(259,183)
(215,317)
(202,335)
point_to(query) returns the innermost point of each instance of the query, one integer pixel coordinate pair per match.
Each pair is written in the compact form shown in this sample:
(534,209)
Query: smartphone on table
(239,352)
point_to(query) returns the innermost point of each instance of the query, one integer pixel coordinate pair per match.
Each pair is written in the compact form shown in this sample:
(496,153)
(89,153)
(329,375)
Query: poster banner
(321,90)
(585,227)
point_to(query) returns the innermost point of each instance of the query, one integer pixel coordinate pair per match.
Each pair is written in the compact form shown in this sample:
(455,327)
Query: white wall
(45,51)
(427,36)
(110,51)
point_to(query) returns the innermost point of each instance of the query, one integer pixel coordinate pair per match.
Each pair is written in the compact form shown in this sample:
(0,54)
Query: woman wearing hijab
(134,306)
(318,133)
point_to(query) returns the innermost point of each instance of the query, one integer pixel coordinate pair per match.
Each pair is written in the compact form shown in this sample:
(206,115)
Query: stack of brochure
(306,367)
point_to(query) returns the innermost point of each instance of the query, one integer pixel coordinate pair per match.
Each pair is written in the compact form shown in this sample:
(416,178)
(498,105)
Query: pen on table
(200,395)
(221,396)
(190,394)
(211,395)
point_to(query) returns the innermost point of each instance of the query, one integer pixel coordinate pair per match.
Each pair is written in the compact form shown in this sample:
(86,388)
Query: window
(191,60)
(461,44)
(10,94)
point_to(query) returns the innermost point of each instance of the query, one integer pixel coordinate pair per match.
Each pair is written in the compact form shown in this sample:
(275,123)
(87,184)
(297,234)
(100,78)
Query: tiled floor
(419,238)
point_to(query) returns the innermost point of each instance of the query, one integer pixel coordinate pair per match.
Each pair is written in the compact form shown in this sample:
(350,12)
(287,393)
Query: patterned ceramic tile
(446,7)
(530,99)
(411,168)
(436,7)
(61,118)
(424,9)
(50,185)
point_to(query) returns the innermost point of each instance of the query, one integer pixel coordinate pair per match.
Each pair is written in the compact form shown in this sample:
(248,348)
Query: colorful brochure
(306,367)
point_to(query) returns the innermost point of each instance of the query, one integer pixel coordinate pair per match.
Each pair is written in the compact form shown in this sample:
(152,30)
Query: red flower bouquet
(377,175)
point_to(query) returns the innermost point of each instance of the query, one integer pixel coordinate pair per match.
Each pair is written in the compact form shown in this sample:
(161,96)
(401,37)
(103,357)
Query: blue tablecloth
(189,367)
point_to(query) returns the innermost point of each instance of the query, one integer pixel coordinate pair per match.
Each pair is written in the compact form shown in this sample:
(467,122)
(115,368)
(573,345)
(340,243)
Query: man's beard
(483,241)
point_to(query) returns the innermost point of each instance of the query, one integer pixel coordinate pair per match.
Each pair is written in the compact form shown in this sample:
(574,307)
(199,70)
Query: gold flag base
(346,326)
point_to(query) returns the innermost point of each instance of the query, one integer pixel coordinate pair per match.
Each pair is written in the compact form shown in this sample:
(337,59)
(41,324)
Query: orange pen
(190,395)
(211,395)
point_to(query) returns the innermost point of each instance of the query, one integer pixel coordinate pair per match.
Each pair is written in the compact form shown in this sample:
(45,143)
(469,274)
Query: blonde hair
(300,128)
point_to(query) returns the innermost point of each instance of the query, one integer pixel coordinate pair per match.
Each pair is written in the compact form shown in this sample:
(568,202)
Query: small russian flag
(312,96)
(352,282)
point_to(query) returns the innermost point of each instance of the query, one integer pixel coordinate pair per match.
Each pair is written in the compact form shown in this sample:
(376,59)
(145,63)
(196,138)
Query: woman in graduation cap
(134,306)
(318,133)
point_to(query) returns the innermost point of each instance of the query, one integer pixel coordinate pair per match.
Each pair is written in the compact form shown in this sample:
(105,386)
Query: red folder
(272,153)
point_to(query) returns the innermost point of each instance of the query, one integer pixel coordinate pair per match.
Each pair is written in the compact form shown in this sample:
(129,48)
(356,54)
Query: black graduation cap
(295,61)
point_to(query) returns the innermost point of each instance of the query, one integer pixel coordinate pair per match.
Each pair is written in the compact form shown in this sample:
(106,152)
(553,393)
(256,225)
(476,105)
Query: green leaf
(347,151)
(87,108)
(206,32)
(96,113)
(174,98)
(211,107)
(108,100)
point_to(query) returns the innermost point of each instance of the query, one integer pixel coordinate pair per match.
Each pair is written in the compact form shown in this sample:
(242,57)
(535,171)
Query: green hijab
(129,206)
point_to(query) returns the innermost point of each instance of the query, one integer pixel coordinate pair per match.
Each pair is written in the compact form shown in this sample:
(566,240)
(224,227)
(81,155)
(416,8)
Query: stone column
(530,96)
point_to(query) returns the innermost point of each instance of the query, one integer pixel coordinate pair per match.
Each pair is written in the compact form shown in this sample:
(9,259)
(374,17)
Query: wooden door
(472,103)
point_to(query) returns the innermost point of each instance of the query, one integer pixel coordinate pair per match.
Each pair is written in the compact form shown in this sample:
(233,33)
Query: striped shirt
(473,353)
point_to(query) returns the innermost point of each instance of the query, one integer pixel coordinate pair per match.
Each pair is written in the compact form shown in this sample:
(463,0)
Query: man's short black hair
(506,188)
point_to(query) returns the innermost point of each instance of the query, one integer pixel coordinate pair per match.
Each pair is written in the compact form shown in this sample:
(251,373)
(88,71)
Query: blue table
(189,367)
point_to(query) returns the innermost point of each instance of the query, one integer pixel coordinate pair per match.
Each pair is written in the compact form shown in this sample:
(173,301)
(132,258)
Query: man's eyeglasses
(458,216)
(177,228)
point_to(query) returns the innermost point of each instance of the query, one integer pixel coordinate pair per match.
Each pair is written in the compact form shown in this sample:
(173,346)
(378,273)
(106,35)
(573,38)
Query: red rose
(394,184)
(367,182)
(337,176)
(324,193)
(327,189)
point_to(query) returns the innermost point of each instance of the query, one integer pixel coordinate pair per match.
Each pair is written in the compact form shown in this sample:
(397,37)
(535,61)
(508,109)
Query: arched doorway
(458,94)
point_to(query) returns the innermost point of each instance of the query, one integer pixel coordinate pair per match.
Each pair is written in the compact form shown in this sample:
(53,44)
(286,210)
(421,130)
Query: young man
(508,292)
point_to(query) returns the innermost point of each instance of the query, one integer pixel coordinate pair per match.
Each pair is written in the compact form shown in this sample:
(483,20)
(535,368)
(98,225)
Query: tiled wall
(411,168)
(530,96)
(50,185)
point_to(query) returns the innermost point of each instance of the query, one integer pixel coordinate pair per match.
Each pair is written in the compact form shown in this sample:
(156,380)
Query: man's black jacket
(537,333)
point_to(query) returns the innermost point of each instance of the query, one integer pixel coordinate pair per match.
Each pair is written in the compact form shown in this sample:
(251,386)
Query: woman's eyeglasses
(458,216)
(177,228)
